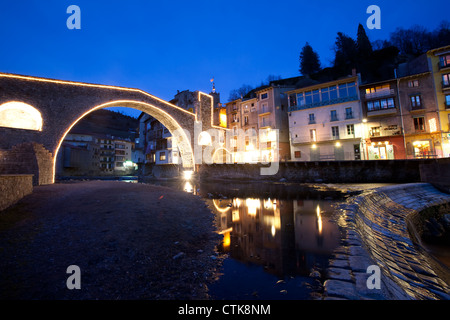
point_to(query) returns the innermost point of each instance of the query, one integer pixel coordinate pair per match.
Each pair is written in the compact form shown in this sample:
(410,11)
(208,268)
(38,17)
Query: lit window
(20,115)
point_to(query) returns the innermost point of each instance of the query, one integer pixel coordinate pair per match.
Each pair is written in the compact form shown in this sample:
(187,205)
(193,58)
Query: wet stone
(340,288)
(339,274)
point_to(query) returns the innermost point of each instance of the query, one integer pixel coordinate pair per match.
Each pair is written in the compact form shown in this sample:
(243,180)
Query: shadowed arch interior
(181,136)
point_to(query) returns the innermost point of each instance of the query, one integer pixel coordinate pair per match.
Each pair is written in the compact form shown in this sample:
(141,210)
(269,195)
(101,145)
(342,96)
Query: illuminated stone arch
(20,115)
(181,136)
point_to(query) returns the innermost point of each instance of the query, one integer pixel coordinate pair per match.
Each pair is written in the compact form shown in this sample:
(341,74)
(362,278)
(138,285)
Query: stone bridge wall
(13,188)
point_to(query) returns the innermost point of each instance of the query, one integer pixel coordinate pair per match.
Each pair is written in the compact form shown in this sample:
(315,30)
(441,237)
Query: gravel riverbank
(130,241)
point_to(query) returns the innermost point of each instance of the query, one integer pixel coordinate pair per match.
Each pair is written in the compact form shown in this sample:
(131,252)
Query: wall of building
(13,188)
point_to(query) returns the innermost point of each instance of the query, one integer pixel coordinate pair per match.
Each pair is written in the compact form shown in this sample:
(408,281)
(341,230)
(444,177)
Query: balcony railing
(379,94)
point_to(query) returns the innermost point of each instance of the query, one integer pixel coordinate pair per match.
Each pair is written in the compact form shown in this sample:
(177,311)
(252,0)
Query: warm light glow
(319,219)
(188,175)
(364,120)
(217,203)
(226,240)
(252,206)
(314,146)
(338,144)
(204,139)
(188,187)
(182,135)
(223,118)
(19,115)
(432,124)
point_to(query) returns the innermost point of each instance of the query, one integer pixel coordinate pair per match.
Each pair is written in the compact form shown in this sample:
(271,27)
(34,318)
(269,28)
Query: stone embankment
(381,230)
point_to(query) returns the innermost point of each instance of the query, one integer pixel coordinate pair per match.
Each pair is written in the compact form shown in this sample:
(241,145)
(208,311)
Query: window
(415,101)
(446,80)
(380,104)
(312,118)
(313,135)
(375,131)
(419,124)
(325,94)
(333,115)
(348,113)
(447,101)
(444,61)
(335,133)
(162,156)
(245,119)
(351,130)
(297,154)
(264,96)
(413,83)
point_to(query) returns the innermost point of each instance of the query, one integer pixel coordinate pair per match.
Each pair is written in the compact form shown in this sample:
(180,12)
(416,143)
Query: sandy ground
(130,241)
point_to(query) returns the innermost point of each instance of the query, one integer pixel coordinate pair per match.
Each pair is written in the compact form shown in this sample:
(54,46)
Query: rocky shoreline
(131,241)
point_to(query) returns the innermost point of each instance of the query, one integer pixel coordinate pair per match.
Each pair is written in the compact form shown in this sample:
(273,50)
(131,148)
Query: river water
(277,237)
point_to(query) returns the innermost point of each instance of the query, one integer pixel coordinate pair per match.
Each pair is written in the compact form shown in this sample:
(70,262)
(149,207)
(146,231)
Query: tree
(240,92)
(346,54)
(309,60)
(363,44)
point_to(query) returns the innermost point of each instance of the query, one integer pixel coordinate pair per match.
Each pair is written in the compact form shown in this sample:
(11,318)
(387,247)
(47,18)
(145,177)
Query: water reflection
(270,232)
(287,237)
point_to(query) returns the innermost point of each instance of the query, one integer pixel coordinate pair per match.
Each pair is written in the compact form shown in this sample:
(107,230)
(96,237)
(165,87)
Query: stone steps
(376,225)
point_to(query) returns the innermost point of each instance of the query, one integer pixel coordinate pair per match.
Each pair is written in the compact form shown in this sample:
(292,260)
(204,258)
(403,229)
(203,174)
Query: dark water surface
(278,237)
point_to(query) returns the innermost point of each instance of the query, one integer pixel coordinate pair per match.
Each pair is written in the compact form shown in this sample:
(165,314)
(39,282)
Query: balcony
(379,94)
(334,118)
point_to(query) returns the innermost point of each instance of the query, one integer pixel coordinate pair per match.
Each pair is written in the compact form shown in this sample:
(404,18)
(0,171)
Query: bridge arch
(62,104)
(181,136)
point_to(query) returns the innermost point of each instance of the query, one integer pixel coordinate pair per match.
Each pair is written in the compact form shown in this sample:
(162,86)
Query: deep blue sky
(165,46)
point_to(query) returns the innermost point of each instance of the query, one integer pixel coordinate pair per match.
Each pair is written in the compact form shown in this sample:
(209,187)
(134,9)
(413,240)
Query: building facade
(258,124)
(325,121)
(382,135)
(440,67)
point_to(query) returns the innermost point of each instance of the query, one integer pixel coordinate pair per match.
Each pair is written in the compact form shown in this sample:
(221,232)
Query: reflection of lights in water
(319,220)
(217,203)
(226,240)
(252,205)
(188,187)
(237,202)
(273,231)
(235,215)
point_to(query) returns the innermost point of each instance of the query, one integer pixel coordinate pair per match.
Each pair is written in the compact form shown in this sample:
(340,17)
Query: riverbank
(131,241)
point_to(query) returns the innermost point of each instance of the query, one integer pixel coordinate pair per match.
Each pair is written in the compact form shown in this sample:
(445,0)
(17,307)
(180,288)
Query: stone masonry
(13,188)
(63,103)
(380,232)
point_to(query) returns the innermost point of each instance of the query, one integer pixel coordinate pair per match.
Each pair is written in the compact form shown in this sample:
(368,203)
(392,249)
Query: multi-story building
(420,116)
(79,155)
(156,141)
(258,123)
(440,67)
(123,154)
(382,121)
(325,121)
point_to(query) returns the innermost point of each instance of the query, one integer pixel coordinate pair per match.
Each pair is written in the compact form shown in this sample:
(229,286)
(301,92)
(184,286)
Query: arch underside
(181,136)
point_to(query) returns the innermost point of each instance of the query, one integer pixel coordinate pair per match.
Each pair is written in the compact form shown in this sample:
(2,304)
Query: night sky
(165,46)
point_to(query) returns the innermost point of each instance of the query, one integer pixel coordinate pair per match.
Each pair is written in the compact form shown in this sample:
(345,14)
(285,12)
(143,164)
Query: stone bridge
(37,113)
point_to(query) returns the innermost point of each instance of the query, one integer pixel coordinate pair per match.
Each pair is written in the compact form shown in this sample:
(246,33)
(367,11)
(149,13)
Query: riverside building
(325,121)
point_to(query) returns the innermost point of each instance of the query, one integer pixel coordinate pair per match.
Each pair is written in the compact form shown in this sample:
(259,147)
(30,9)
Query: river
(277,237)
